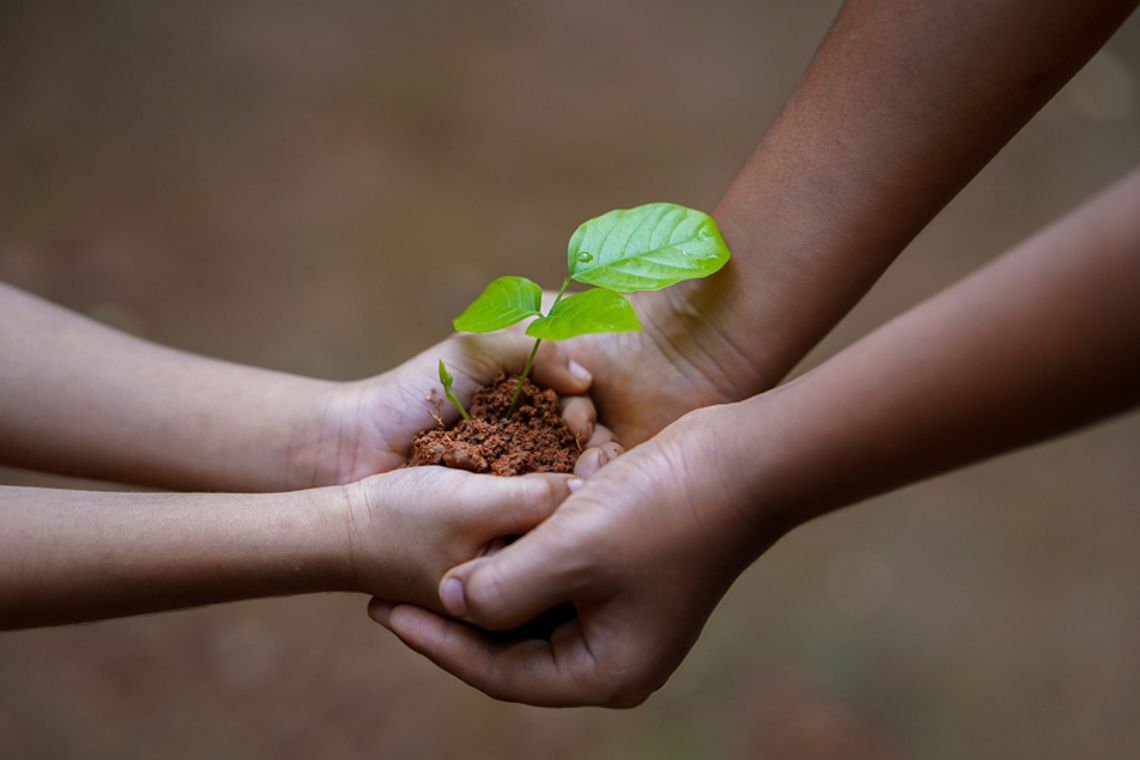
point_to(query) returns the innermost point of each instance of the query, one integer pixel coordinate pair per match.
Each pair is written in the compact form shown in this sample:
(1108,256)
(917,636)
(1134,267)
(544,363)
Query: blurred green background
(318,187)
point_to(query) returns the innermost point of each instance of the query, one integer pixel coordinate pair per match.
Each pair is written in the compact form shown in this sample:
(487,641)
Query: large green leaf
(646,248)
(595,311)
(502,303)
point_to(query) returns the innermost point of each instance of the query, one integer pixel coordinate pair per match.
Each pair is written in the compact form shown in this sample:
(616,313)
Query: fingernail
(379,611)
(574,484)
(451,594)
(580,373)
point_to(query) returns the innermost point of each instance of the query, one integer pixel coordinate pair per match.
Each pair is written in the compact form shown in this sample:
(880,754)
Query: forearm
(1045,339)
(82,399)
(902,105)
(74,556)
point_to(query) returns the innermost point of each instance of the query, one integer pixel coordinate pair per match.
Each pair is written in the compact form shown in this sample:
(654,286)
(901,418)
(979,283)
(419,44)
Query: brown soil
(534,439)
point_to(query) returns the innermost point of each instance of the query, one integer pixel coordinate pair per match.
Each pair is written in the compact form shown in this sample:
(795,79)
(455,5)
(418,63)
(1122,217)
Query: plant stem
(522,378)
(458,404)
(533,353)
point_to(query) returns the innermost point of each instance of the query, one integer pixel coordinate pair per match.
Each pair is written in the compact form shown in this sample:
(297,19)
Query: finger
(612,450)
(589,462)
(595,459)
(534,671)
(477,359)
(494,546)
(581,416)
(527,578)
(512,506)
(379,610)
(602,434)
(553,368)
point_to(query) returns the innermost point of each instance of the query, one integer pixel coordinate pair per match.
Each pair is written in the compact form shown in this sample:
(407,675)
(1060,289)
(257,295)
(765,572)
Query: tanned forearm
(903,103)
(1045,339)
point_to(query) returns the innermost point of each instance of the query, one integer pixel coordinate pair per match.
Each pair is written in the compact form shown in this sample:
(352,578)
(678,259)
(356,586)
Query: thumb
(553,368)
(512,587)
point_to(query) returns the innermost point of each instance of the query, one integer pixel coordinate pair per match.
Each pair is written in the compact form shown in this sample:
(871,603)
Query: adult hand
(642,381)
(644,551)
(646,548)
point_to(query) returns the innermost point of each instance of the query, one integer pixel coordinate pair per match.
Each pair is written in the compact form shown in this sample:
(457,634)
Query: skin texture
(79,398)
(1045,339)
(74,556)
(902,105)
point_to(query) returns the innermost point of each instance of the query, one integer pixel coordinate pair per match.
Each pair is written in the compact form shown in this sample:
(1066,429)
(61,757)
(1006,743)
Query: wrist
(327,518)
(781,460)
(321,432)
(694,320)
(748,477)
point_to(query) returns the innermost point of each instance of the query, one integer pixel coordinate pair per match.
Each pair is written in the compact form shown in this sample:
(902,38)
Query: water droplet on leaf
(585,258)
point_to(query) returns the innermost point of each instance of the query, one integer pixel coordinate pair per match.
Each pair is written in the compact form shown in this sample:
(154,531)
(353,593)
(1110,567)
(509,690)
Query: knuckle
(496,691)
(627,699)
(616,694)
(584,409)
(547,493)
(484,594)
(630,692)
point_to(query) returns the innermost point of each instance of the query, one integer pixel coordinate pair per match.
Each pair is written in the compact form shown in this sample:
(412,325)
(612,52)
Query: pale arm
(74,556)
(71,556)
(79,398)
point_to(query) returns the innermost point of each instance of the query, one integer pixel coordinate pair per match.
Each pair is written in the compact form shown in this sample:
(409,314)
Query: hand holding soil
(72,556)
(535,438)
(645,549)
(369,426)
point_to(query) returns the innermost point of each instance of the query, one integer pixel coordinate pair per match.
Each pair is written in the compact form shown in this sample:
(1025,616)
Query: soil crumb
(534,439)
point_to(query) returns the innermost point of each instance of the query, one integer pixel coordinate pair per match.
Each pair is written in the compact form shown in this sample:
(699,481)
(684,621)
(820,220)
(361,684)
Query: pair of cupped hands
(642,543)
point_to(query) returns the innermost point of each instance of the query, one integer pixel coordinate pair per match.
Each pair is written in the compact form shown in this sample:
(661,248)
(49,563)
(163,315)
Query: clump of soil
(534,439)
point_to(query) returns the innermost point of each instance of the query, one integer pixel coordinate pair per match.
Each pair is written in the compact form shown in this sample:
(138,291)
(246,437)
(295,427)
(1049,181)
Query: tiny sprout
(446,378)
(649,247)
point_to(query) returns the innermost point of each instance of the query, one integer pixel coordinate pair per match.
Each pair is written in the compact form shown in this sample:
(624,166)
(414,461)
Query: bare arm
(1045,339)
(74,556)
(79,398)
(70,556)
(903,103)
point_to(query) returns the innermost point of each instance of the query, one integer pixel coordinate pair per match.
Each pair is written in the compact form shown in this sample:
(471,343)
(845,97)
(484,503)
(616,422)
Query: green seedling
(446,378)
(645,248)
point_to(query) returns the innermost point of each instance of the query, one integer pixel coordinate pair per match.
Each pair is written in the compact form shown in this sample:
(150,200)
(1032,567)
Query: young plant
(645,248)
(446,378)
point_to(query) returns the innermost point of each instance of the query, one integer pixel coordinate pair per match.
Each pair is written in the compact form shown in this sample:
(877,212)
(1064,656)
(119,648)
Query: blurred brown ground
(316,187)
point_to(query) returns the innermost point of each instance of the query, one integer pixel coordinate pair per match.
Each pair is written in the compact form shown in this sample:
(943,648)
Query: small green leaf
(595,311)
(646,248)
(446,378)
(502,303)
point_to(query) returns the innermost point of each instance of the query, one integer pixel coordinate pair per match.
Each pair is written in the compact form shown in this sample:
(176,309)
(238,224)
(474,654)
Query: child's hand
(405,529)
(73,556)
(366,427)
